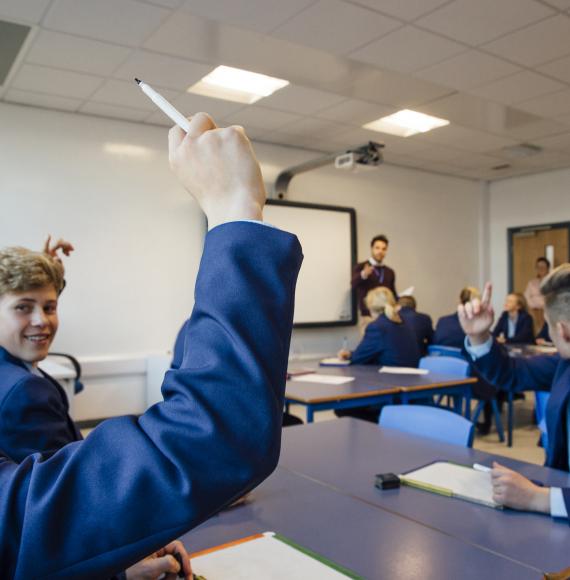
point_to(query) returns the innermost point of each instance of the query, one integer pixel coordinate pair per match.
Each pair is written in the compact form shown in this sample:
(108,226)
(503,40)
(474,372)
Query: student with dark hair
(421,323)
(448,331)
(97,506)
(542,372)
(373,273)
(515,324)
(533,296)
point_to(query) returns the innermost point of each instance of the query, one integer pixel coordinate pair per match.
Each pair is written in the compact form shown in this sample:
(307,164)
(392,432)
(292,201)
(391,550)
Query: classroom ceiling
(499,70)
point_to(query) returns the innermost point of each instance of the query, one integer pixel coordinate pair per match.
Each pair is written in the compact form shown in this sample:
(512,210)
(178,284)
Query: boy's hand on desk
(344,354)
(163,562)
(476,317)
(514,490)
(219,168)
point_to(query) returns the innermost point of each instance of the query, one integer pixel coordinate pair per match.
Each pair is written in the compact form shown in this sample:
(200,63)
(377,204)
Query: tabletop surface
(369,541)
(347,453)
(367,382)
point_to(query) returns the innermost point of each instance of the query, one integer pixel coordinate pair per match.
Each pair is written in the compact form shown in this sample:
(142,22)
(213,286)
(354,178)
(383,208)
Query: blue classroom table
(371,542)
(346,453)
(371,388)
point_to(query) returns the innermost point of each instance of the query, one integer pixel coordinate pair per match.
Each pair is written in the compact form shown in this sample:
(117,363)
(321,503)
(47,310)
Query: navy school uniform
(448,332)
(34,411)
(524,333)
(97,506)
(538,373)
(421,324)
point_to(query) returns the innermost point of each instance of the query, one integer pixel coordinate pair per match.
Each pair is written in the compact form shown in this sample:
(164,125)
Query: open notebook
(453,480)
(266,556)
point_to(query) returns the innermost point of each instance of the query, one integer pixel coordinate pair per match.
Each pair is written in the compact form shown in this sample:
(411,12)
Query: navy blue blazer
(422,326)
(524,332)
(34,411)
(448,332)
(537,373)
(387,343)
(97,506)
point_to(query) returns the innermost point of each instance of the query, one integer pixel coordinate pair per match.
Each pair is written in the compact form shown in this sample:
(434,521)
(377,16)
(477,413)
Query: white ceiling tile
(355,112)
(29,11)
(408,10)
(559,142)
(552,105)
(518,87)
(435,152)
(279,138)
(393,144)
(55,81)
(483,20)
(466,139)
(535,44)
(560,4)
(113,111)
(189,104)
(165,3)
(467,70)
(308,127)
(166,71)
(336,27)
(559,68)
(260,15)
(124,22)
(476,161)
(74,53)
(407,49)
(127,94)
(532,130)
(42,100)
(301,100)
(261,118)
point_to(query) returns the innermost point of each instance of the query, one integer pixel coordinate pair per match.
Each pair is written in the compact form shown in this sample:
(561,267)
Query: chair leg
(498,421)
(510,418)
(477,412)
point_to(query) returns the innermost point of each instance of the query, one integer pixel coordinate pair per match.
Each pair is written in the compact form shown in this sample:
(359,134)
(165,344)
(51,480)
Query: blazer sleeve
(33,418)
(501,326)
(356,279)
(524,333)
(370,347)
(516,374)
(99,505)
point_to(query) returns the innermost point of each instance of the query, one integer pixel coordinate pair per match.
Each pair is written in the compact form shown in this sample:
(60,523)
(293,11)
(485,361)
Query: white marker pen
(164,105)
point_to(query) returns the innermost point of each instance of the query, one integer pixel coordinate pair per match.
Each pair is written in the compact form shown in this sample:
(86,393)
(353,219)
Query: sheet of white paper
(334,361)
(264,558)
(324,379)
(408,291)
(465,482)
(403,371)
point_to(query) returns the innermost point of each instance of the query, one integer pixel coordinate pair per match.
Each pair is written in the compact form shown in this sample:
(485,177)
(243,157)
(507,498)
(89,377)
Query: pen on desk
(164,105)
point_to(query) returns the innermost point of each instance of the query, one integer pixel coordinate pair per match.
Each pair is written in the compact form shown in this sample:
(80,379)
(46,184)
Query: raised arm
(100,505)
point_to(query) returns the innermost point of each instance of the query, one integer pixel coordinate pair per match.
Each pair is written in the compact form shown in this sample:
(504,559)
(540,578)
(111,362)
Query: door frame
(510,240)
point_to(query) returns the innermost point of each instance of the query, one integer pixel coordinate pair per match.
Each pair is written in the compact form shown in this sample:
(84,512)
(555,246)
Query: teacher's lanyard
(380,274)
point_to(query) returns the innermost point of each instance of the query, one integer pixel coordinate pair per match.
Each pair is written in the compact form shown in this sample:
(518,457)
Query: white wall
(139,237)
(530,200)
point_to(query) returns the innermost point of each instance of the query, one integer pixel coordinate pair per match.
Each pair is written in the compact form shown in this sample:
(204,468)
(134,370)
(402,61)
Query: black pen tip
(138,81)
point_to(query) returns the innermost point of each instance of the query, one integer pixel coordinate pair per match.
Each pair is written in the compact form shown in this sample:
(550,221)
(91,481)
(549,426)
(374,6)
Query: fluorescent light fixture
(128,150)
(405,123)
(236,84)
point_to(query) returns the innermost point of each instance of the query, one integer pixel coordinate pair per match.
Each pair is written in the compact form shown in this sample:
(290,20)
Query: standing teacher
(371,274)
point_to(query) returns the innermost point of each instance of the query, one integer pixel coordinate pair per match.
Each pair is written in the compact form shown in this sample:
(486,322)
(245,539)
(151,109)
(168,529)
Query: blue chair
(439,350)
(429,422)
(541,398)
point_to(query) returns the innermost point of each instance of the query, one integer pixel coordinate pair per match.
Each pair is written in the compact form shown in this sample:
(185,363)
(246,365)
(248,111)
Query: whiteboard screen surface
(328,237)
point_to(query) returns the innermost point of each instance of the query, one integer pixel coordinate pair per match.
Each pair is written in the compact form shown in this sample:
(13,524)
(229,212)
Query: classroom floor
(525,434)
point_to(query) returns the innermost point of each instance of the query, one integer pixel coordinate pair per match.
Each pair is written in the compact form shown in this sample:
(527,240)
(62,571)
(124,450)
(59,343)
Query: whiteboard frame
(353,254)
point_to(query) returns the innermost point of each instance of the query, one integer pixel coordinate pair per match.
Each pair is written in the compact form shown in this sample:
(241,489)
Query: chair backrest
(440,350)
(446,364)
(429,422)
(541,398)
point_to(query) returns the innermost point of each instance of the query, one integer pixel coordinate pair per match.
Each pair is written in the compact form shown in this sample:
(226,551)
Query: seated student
(543,337)
(448,331)
(515,323)
(33,407)
(541,372)
(97,506)
(420,322)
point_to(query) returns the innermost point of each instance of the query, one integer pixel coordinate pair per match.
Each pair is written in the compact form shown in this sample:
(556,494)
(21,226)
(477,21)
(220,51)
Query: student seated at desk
(387,341)
(515,325)
(543,337)
(97,506)
(541,372)
(448,331)
(421,323)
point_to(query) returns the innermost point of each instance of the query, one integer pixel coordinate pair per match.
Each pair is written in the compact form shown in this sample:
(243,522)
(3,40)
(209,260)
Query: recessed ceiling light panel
(238,85)
(405,123)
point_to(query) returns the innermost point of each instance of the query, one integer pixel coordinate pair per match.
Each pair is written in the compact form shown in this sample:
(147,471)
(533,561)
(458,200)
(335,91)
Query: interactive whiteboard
(328,236)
